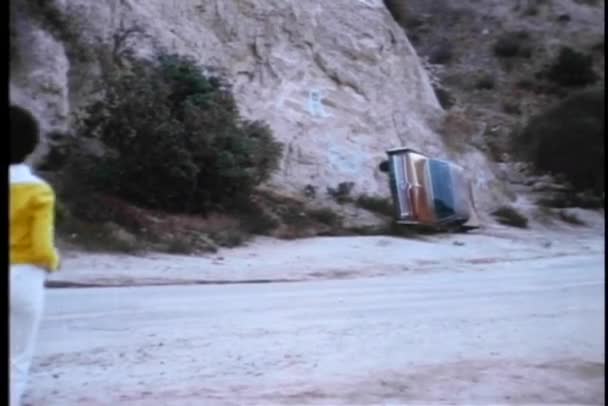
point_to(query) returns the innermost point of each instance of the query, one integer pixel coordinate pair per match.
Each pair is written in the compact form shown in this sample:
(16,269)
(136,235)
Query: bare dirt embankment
(267,260)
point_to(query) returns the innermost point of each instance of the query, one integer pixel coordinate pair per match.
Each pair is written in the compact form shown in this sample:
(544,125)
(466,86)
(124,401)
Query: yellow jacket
(32,216)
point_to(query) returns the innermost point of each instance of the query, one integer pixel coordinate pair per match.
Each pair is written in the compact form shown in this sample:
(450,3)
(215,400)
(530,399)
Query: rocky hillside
(339,82)
(493,65)
(488,57)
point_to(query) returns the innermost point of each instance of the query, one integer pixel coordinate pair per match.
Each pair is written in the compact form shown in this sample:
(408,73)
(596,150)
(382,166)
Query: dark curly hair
(25,134)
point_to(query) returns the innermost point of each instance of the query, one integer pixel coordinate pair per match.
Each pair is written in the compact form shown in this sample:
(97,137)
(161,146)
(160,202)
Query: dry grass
(98,237)
(108,223)
(140,229)
(376,204)
(210,224)
(547,216)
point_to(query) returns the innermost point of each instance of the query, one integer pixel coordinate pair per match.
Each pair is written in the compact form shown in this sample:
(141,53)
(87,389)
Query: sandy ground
(496,317)
(343,257)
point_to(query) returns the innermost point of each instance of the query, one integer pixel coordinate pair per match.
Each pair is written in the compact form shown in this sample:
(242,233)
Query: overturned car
(429,192)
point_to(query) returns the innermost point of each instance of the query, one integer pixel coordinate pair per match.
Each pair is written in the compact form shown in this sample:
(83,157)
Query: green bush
(295,216)
(568,139)
(509,216)
(175,139)
(572,68)
(262,222)
(376,204)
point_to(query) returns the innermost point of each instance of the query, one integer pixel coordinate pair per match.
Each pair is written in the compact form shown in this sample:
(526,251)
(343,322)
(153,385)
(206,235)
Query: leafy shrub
(294,216)
(261,222)
(568,139)
(175,139)
(510,217)
(99,209)
(513,44)
(572,68)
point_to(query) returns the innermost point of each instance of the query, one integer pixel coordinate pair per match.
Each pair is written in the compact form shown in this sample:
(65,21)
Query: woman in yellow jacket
(32,249)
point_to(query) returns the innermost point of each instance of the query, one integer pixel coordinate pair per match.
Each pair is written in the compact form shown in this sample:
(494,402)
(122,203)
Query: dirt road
(507,333)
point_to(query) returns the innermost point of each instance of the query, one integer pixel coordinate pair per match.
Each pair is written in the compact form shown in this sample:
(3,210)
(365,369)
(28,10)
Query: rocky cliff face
(338,81)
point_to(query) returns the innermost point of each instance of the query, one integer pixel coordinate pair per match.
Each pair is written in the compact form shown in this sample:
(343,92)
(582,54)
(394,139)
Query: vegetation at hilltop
(175,139)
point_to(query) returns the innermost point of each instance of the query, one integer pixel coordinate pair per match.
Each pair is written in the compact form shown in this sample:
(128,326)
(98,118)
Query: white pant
(26,307)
